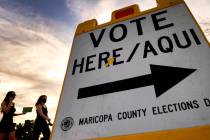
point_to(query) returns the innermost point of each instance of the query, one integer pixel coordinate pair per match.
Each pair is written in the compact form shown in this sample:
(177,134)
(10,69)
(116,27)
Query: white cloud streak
(33,58)
(101,10)
(199,10)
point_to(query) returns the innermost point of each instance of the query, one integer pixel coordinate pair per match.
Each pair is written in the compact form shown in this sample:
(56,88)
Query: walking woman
(7,130)
(41,123)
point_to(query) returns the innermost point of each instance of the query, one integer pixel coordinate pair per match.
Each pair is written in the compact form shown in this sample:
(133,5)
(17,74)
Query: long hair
(39,101)
(9,94)
(6,99)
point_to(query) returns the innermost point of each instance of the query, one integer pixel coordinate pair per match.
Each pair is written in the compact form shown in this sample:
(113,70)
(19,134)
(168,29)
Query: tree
(24,131)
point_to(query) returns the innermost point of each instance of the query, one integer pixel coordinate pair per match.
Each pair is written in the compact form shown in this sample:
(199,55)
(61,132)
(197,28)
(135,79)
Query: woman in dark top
(7,130)
(41,123)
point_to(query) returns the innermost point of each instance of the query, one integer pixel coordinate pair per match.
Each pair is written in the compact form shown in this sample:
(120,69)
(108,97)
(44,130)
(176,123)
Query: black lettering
(175,106)
(144,111)
(124,33)
(86,121)
(124,115)
(170,108)
(188,41)
(148,48)
(95,41)
(195,104)
(101,118)
(103,58)
(165,49)
(180,108)
(105,117)
(78,65)
(207,102)
(183,106)
(89,61)
(115,55)
(81,121)
(139,112)
(129,115)
(164,107)
(133,52)
(138,24)
(189,105)
(134,113)
(96,119)
(156,21)
(118,116)
(159,110)
(154,110)
(89,120)
(110,118)
(198,42)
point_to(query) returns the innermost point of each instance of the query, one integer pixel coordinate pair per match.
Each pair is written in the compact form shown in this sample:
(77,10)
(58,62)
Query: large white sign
(158,79)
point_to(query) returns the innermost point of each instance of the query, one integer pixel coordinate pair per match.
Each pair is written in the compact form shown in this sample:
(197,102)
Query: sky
(36,38)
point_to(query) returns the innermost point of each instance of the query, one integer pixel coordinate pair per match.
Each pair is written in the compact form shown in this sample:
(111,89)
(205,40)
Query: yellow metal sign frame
(194,133)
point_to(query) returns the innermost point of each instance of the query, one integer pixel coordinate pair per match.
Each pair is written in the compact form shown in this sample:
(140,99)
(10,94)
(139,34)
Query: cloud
(101,10)
(33,58)
(206,29)
(199,9)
